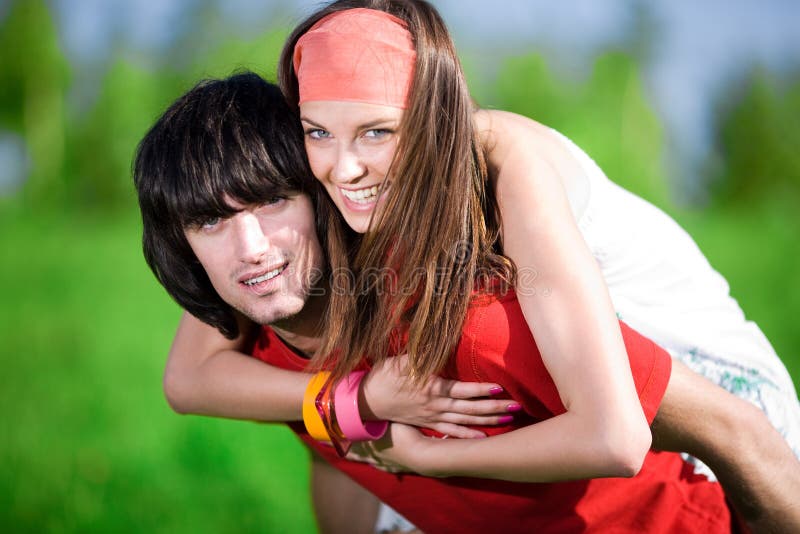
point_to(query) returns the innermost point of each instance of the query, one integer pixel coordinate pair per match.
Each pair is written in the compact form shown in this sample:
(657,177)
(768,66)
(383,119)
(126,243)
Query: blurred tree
(608,116)
(102,143)
(33,80)
(259,55)
(758,138)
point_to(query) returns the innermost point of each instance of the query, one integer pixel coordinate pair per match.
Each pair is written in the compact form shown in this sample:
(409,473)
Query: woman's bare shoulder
(520,145)
(504,130)
(495,122)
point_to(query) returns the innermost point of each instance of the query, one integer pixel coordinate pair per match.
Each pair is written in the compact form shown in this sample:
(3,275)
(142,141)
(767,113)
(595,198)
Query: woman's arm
(208,374)
(566,304)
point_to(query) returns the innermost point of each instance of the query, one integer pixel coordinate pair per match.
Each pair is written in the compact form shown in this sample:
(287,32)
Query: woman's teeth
(362,196)
(263,277)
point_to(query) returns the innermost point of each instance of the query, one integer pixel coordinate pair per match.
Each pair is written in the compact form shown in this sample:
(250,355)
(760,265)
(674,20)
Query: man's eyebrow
(364,126)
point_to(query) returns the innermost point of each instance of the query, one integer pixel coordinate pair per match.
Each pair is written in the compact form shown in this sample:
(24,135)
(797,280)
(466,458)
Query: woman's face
(350,147)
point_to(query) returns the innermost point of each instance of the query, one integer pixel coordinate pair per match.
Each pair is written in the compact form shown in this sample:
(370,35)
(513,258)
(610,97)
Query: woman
(391,134)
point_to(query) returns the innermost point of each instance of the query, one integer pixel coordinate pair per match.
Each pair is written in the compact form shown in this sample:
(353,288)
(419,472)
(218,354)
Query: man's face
(263,259)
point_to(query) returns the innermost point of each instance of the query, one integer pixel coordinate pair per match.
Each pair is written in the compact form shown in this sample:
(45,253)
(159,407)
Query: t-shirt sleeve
(651,367)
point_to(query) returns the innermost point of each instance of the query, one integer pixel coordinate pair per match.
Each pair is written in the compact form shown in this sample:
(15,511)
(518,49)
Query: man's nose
(251,241)
(349,166)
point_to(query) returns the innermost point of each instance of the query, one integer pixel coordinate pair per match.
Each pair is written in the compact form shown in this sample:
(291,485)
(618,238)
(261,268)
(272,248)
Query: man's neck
(303,331)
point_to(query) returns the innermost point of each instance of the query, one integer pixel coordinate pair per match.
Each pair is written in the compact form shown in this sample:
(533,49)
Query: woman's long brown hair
(436,241)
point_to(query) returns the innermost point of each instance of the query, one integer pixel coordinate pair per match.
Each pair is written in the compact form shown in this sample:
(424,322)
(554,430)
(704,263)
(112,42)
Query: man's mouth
(366,195)
(269,275)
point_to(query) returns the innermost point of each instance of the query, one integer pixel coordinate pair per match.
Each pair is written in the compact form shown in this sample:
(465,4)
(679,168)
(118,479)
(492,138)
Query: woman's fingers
(465,390)
(457,431)
(465,403)
(482,407)
(476,420)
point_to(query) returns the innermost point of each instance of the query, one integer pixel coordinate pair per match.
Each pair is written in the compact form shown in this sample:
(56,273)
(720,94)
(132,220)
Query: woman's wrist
(368,402)
(350,417)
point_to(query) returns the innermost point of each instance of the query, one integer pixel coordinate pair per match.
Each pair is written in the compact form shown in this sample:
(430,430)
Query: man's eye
(274,201)
(210,223)
(318,133)
(271,205)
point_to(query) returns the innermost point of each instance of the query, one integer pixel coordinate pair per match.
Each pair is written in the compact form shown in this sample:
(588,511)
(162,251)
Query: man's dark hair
(234,137)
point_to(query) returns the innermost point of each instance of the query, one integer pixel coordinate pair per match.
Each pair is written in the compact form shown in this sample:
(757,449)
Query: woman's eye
(377,133)
(317,134)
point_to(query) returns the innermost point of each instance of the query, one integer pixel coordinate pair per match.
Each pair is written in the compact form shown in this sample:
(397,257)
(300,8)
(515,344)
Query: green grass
(87,441)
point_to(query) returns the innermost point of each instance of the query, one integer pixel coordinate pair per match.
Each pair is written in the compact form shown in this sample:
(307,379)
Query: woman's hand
(395,452)
(438,403)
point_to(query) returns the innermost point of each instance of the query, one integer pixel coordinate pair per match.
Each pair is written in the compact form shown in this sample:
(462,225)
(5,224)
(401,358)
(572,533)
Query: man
(227,204)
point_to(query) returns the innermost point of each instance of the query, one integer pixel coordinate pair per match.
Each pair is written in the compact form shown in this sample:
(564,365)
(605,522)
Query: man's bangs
(254,174)
(204,200)
(238,158)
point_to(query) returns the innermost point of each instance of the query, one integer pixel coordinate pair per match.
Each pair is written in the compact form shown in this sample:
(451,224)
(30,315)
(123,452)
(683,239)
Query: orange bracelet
(311,417)
(327,413)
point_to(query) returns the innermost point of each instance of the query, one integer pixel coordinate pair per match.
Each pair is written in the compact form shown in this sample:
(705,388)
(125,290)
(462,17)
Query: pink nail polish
(505,419)
(514,407)
(495,390)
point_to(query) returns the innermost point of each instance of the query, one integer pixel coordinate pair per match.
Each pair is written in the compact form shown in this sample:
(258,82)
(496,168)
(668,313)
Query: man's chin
(268,318)
(273,315)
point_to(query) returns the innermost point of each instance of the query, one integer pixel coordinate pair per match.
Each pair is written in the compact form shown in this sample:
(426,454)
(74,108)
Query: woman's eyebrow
(377,122)
(366,125)
(305,119)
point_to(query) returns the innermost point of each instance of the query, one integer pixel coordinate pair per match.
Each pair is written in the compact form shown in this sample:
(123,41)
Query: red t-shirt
(497,346)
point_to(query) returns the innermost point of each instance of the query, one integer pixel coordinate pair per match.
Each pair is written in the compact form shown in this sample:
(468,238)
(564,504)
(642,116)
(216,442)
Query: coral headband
(356,55)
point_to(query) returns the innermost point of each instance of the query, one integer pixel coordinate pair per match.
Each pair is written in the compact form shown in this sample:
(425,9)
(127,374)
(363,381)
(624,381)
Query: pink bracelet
(347,414)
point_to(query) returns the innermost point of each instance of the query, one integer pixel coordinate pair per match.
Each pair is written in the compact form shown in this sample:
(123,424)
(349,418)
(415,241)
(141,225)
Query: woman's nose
(348,167)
